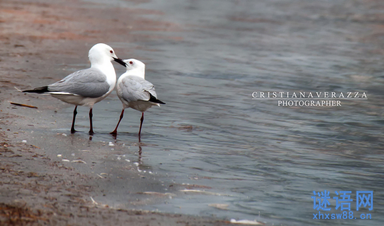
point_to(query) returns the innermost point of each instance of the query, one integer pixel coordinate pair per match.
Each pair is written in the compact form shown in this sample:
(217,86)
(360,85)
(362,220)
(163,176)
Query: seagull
(89,86)
(134,91)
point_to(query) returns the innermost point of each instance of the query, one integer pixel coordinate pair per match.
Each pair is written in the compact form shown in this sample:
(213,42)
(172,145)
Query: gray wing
(134,88)
(86,83)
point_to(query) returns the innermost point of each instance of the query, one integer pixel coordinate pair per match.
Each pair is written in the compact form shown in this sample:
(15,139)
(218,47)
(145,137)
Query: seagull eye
(130,62)
(110,51)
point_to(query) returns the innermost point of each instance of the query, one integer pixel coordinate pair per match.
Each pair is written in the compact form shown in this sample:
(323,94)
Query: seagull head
(135,67)
(133,64)
(101,53)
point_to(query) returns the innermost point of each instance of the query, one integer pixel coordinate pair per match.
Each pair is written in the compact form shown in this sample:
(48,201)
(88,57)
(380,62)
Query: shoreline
(39,40)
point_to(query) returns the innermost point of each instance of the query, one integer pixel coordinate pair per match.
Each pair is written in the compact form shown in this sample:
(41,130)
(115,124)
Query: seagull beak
(120,61)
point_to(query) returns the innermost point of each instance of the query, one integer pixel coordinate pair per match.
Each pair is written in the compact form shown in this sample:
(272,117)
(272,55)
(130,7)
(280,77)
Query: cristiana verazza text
(308,99)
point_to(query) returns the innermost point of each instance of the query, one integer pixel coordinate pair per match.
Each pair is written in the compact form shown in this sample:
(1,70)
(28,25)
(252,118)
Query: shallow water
(265,160)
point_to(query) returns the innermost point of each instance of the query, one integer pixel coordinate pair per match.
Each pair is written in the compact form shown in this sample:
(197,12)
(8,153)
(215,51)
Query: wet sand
(39,39)
(253,158)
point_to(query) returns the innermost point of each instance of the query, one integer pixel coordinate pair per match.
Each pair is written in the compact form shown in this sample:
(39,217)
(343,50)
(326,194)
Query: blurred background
(256,159)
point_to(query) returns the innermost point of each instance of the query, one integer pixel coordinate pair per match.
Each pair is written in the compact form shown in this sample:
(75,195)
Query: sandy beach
(38,39)
(215,151)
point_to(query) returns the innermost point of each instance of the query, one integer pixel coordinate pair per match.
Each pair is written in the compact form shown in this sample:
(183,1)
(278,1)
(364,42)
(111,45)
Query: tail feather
(42,89)
(154,99)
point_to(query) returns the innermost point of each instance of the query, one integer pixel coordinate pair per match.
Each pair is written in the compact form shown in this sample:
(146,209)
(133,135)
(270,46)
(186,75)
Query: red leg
(114,132)
(141,124)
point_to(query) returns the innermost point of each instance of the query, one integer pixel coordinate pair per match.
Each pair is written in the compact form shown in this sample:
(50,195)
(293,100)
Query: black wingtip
(42,89)
(155,100)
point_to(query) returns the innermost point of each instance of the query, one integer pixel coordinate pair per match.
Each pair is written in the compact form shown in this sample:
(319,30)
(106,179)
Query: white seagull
(89,86)
(134,91)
